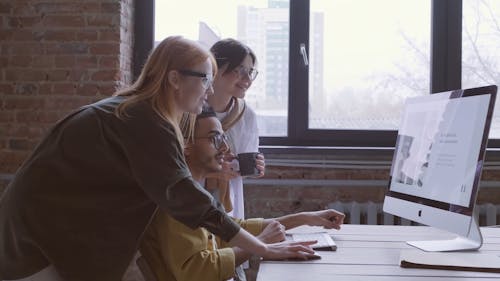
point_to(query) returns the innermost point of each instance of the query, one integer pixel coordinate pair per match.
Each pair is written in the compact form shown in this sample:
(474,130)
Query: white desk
(371,252)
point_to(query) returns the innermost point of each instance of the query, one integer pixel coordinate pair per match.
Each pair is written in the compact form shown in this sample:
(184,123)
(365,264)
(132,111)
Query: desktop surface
(371,252)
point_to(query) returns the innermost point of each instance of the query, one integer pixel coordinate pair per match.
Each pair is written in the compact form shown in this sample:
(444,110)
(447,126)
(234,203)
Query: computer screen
(437,163)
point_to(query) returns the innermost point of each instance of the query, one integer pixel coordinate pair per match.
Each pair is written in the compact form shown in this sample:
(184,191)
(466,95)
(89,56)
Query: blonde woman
(78,206)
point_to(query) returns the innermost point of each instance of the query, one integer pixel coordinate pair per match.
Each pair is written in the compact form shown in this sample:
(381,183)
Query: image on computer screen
(438,160)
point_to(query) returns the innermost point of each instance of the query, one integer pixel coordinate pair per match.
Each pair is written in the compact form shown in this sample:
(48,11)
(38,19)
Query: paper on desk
(465,261)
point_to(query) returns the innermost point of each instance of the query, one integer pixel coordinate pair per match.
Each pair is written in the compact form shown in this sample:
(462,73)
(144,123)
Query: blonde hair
(152,85)
(187,126)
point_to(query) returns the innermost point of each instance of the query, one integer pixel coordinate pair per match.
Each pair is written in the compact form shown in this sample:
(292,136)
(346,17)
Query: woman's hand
(274,232)
(290,250)
(260,163)
(326,218)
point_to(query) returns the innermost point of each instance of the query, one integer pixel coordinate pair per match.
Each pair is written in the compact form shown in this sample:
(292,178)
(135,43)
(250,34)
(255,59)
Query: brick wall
(55,57)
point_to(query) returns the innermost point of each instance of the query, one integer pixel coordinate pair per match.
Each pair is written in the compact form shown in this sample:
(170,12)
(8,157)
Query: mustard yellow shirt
(176,252)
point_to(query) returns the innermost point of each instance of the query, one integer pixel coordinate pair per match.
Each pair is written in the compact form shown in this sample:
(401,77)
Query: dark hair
(231,52)
(188,121)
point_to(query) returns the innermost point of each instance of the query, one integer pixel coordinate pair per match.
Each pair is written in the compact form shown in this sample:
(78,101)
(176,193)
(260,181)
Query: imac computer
(437,164)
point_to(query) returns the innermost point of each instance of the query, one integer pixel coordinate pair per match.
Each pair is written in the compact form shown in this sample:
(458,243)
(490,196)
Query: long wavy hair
(152,85)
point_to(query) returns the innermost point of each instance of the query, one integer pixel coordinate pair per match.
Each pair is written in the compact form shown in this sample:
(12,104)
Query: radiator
(371,213)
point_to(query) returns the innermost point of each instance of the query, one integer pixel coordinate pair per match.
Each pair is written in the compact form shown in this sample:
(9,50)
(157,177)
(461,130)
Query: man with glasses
(173,251)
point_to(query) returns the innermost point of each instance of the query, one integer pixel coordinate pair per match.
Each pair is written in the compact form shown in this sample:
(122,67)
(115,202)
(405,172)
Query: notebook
(325,241)
(464,261)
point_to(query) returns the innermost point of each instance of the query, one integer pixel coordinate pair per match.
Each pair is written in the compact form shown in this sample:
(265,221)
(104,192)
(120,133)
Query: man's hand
(327,218)
(274,232)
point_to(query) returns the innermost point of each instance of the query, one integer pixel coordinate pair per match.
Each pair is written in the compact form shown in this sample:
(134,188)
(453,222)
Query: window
(481,49)
(262,25)
(364,57)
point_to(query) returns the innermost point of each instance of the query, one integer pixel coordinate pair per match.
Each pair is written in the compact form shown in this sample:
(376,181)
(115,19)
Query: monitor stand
(473,241)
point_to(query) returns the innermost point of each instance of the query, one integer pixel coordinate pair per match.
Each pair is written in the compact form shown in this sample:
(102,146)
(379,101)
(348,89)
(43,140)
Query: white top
(243,137)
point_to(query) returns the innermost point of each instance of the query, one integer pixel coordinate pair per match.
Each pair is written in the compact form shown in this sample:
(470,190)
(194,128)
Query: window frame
(445,72)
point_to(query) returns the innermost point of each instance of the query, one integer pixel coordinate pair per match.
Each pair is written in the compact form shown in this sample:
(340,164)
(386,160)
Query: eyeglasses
(217,139)
(207,79)
(243,71)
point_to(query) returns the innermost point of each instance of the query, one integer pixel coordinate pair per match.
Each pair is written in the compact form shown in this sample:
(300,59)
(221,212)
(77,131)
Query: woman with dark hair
(237,71)
(79,205)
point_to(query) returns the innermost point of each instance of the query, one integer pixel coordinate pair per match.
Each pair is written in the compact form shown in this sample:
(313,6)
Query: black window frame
(446,65)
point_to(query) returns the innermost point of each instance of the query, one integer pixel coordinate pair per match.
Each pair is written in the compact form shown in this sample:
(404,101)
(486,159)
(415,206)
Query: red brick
(103,20)
(57,75)
(362,175)
(56,35)
(113,8)
(5,8)
(22,35)
(20,61)
(10,161)
(491,175)
(109,62)
(23,22)
(45,88)
(65,61)
(109,35)
(22,49)
(5,34)
(87,90)
(268,192)
(65,103)
(104,75)
(57,8)
(338,174)
(91,7)
(24,75)
(24,9)
(107,89)
(43,61)
(86,61)
(381,174)
(6,88)
(36,117)
(64,88)
(4,61)
(105,48)
(78,75)
(314,174)
(6,116)
(3,145)
(24,131)
(326,193)
(26,88)
(23,103)
(63,21)
(22,144)
(87,35)
(67,48)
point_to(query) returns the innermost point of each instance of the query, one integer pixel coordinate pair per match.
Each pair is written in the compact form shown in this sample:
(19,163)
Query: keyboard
(325,241)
